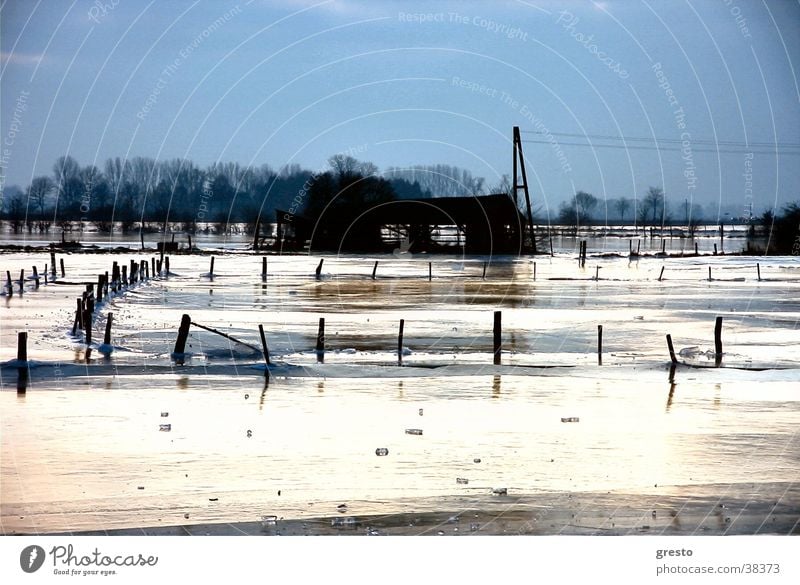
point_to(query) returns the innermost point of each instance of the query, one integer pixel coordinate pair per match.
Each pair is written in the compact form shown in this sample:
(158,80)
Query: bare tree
(622,204)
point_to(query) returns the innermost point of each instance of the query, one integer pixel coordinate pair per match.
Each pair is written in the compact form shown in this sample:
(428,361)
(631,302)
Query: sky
(699,97)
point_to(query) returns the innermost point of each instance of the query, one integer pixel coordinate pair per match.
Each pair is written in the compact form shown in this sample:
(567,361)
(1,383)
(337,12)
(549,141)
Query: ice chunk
(381,451)
(413,431)
(165,428)
(462,480)
(570,419)
(270,520)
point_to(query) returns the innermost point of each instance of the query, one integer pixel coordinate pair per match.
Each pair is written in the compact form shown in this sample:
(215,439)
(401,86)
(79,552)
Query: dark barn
(484,224)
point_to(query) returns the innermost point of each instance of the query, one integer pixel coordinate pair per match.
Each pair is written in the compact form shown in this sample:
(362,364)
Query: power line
(670,140)
(659,148)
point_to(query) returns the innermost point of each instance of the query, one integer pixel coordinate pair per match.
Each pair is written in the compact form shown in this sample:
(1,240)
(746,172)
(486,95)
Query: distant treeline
(143,190)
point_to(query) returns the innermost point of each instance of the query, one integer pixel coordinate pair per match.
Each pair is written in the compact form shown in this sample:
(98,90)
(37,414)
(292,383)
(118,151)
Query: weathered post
(21,281)
(125,275)
(9,285)
(52,260)
(152,265)
(35,277)
(374,269)
(497,345)
(22,347)
(321,340)
(400,343)
(663,246)
(430,271)
(141,237)
(22,361)
(183,334)
(661,274)
(63,272)
(758,269)
(534,271)
(318,271)
(190,242)
(638,246)
(599,345)
(709,274)
(107,336)
(264,347)
(263,268)
(672,357)
(718,342)
(211,268)
(166,264)
(78,324)
(484,271)
(715,249)
(87,326)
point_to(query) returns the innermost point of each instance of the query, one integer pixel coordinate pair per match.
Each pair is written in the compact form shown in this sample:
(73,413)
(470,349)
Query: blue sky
(406,83)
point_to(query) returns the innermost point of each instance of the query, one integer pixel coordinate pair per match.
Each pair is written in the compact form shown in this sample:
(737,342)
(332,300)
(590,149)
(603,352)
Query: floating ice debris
(440,533)
(381,451)
(420,412)
(413,431)
(342,508)
(373,532)
(165,428)
(249,433)
(270,520)
(213,499)
(343,522)
(164,414)
(570,419)
(455,529)
(500,491)
(186,515)
(462,480)
(476,460)
(141,487)
(639,317)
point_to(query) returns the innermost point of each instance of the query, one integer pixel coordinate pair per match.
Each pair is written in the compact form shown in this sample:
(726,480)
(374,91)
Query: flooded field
(135,439)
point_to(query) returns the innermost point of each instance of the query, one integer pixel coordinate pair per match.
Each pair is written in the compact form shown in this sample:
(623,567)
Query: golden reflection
(496,386)
(321,386)
(400,393)
(717,390)
(183,383)
(672,385)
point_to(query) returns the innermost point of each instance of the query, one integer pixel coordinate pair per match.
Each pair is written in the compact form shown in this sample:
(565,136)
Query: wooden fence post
(63,272)
(374,269)
(599,345)
(497,343)
(400,343)
(718,341)
(264,347)
(107,336)
(22,361)
(321,340)
(672,357)
(183,334)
